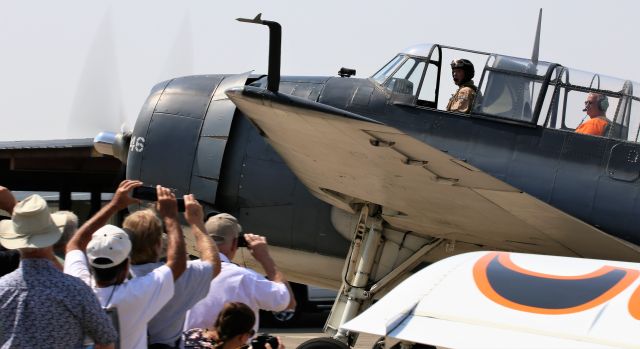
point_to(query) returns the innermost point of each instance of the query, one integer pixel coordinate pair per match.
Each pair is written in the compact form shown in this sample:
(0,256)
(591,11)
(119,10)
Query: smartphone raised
(145,192)
(242,242)
(149,193)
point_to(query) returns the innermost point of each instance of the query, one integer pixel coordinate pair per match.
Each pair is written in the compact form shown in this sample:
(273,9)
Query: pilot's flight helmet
(465,65)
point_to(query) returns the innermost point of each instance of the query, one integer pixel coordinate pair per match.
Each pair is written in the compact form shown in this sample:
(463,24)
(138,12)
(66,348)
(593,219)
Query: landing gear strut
(362,267)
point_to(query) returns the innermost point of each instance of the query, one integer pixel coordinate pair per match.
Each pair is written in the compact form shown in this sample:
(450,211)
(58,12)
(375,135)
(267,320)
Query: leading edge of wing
(346,159)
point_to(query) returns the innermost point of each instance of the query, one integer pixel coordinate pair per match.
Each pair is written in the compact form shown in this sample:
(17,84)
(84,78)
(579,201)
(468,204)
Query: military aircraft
(358,182)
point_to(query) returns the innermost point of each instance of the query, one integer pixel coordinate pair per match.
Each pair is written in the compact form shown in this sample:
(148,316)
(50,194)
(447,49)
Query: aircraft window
(401,81)
(510,88)
(416,75)
(428,90)
(509,96)
(447,87)
(549,109)
(574,114)
(634,129)
(388,69)
(592,80)
(634,119)
(569,110)
(502,101)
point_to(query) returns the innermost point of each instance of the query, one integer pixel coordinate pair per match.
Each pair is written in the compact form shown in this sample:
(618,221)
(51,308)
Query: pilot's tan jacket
(462,100)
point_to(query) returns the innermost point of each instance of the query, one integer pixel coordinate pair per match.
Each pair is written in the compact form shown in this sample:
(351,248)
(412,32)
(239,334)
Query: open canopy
(513,89)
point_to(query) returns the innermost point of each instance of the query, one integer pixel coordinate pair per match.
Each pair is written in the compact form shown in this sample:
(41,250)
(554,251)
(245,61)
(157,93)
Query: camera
(263,338)
(149,193)
(242,242)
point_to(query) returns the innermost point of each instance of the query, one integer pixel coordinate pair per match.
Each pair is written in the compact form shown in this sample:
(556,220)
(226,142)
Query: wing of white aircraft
(509,300)
(346,159)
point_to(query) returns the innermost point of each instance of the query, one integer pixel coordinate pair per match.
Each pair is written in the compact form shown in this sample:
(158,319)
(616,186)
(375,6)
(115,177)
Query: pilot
(596,106)
(462,72)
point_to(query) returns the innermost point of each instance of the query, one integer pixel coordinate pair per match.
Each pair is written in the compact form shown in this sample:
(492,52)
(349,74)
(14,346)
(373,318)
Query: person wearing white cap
(134,302)
(39,305)
(238,284)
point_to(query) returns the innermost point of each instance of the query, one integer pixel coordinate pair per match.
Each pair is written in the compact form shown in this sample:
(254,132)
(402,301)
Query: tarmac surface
(308,326)
(292,337)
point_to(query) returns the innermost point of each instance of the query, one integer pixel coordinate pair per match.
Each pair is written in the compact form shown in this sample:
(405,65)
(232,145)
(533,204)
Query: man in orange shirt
(596,105)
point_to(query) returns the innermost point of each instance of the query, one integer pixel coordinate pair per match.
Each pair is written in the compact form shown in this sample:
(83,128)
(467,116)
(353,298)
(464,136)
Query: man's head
(70,227)
(32,226)
(235,319)
(596,104)
(224,230)
(145,231)
(108,255)
(462,71)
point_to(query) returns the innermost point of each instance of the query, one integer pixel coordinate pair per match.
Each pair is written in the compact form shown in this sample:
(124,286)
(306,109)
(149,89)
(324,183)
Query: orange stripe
(634,304)
(505,259)
(482,282)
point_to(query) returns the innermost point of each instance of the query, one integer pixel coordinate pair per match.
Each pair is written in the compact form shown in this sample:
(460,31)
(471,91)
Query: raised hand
(122,197)
(193,212)
(167,205)
(7,200)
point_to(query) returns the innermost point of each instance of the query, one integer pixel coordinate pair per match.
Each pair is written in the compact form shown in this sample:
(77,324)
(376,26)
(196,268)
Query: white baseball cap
(31,225)
(109,246)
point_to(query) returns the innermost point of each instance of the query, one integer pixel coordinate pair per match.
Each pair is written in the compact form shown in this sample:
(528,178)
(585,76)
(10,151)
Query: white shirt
(237,284)
(136,300)
(191,286)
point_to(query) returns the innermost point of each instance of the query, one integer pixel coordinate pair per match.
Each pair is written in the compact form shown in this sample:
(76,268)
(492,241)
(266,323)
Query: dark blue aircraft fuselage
(594,179)
(196,141)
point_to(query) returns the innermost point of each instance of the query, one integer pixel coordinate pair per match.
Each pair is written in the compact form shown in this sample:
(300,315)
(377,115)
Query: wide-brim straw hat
(32,225)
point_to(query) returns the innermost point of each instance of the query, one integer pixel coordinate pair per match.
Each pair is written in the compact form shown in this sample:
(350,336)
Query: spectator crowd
(105,286)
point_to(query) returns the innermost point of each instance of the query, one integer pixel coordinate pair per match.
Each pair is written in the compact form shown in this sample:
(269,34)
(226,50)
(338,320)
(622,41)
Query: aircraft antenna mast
(536,42)
(275,44)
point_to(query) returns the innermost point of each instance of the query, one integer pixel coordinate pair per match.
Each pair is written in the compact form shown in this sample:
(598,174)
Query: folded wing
(346,160)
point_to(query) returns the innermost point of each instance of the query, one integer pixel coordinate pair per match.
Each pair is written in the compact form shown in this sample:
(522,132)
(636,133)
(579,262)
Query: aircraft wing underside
(345,159)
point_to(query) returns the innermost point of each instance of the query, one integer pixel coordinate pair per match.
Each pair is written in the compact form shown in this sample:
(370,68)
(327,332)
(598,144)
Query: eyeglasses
(588,102)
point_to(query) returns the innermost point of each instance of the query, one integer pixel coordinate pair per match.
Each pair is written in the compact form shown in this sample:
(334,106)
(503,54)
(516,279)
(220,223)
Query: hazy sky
(72,68)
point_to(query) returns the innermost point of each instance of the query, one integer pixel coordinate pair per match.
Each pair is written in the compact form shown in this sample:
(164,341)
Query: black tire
(323,343)
(286,319)
(279,319)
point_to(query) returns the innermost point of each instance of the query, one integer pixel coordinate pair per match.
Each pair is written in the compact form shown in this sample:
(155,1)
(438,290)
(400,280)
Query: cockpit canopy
(511,89)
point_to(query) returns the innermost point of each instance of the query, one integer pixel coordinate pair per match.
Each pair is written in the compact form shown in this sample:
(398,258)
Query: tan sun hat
(31,225)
